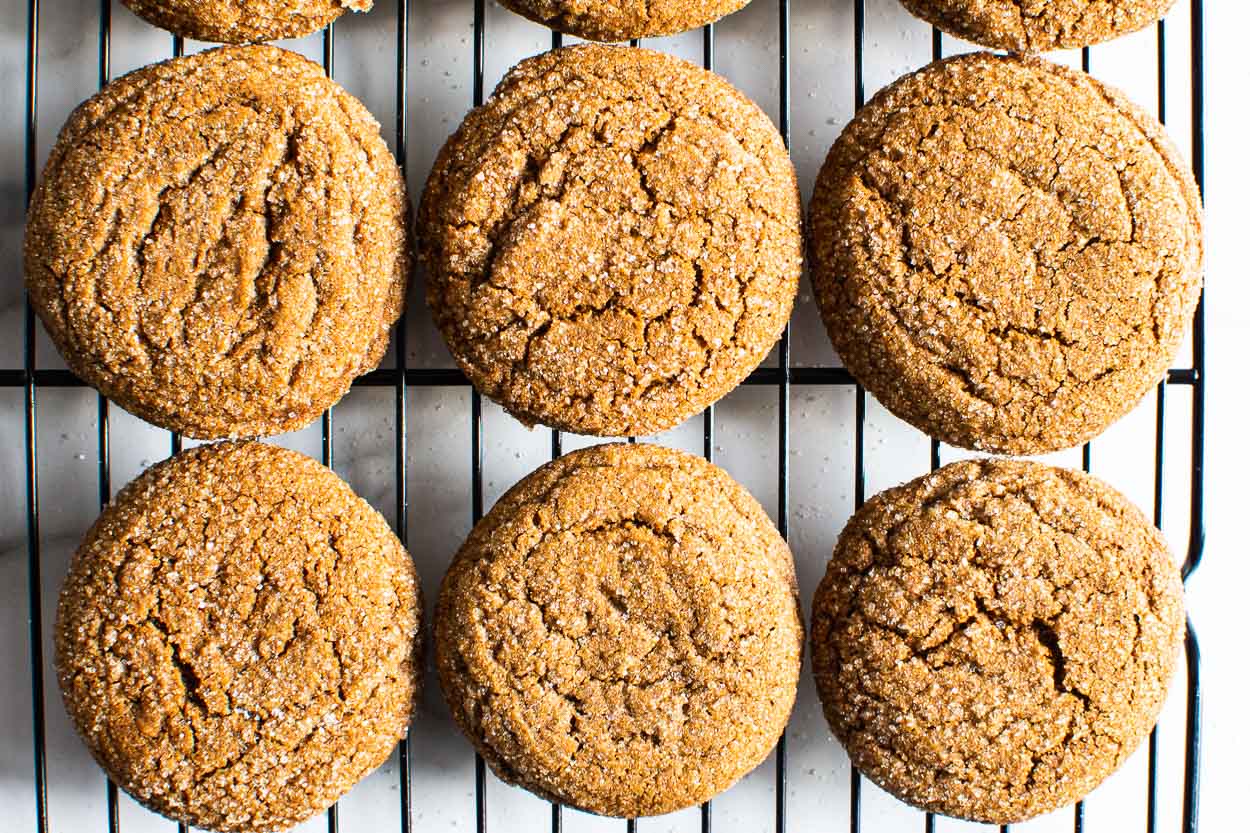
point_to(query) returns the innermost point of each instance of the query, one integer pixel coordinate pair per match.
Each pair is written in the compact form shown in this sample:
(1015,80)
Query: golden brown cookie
(220,243)
(613,240)
(238,638)
(243,21)
(614,20)
(621,632)
(992,640)
(1006,253)
(1038,25)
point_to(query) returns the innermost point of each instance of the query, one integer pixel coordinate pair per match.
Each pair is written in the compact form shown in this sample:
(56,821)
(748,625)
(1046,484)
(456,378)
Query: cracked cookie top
(620,20)
(243,21)
(1006,253)
(1038,25)
(220,243)
(613,240)
(238,638)
(621,632)
(992,640)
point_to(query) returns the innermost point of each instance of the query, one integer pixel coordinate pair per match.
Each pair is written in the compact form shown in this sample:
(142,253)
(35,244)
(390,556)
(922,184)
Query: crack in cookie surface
(1006,253)
(612,240)
(993,640)
(621,20)
(243,21)
(237,639)
(621,632)
(1039,25)
(220,242)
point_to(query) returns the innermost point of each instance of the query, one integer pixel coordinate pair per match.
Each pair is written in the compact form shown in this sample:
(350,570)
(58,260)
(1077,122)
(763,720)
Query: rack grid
(31,379)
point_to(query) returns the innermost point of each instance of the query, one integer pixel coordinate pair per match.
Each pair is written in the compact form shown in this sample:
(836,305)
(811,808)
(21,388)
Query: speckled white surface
(821,457)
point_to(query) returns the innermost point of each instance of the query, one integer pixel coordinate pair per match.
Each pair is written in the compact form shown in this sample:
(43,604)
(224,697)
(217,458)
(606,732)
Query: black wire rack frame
(31,379)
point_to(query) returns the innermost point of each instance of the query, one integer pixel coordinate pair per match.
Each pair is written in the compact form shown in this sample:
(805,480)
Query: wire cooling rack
(408,381)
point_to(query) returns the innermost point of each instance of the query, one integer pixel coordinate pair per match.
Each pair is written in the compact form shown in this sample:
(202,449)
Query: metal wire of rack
(31,379)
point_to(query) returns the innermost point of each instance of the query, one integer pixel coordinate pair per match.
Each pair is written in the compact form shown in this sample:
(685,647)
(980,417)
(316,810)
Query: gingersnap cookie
(621,632)
(243,21)
(620,21)
(1005,252)
(613,240)
(1038,25)
(220,243)
(992,640)
(238,638)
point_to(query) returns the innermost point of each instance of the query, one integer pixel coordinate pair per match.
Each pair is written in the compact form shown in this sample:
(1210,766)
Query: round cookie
(243,21)
(1038,25)
(621,632)
(1005,252)
(613,240)
(994,639)
(220,243)
(620,21)
(238,638)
